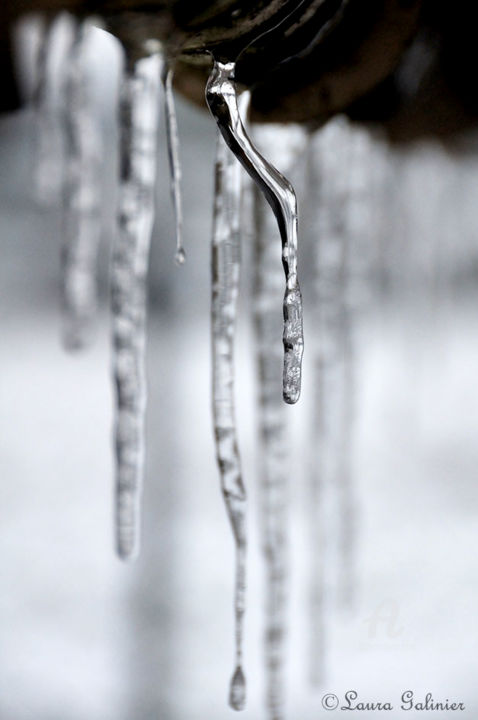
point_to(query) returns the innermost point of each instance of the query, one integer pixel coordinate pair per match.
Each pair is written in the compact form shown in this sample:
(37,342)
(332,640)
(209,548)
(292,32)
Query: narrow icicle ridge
(47,163)
(81,201)
(221,98)
(225,289)
(174,158)
(139,101)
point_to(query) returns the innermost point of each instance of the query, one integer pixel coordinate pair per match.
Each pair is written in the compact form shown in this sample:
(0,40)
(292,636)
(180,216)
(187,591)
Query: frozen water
(138,143)
(221,97)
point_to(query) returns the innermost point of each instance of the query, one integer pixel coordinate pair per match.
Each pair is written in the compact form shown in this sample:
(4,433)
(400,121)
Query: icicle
(138,141)
(174,158)
(286,143)
(82,202)
(46,166)
(273,438)
(331,520)
(225,288)
(222,102)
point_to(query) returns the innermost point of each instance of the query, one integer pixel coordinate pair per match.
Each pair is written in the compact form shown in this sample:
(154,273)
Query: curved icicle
(174,158)
(225,290)
(222,101)
(139,101)
(81,202)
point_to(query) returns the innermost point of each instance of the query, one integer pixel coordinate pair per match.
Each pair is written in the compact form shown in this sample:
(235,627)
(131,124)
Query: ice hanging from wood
(139,102)
(225,289)
(81,201)
(284,143)
(222,101)
(174,158)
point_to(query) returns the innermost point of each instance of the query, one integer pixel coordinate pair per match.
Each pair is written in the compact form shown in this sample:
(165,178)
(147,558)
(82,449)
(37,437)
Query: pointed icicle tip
(237,692)
(180,257)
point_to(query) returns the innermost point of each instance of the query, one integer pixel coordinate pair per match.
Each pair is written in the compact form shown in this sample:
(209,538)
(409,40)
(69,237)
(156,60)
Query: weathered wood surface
(304,59)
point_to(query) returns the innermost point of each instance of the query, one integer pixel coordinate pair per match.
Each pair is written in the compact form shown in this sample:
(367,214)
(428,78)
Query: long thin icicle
(221,98)
(273,450)
(225,289)
(331,508)
(174,158)
(81,201)
(286,143)
(139,103)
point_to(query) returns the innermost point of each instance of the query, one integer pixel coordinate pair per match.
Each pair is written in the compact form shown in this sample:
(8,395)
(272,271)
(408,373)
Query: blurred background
(85,637)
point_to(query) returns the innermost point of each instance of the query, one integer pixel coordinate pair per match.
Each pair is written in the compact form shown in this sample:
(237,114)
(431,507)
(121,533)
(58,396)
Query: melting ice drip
(139,103)
(82,201)
(174,158)
(222,101)
(225,290)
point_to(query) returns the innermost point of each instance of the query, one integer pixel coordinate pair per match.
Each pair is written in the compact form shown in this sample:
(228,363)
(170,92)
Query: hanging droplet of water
(174,158)
(225,290)
(222,101)
(81,201)
(138,112)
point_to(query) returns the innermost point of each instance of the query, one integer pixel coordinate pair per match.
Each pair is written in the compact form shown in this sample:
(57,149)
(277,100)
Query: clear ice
(225,289)
(81,201)
(174,158)
(138,114)
(221,98)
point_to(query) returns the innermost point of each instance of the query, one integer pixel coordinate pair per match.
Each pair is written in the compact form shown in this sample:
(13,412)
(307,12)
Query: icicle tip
(237,693)
(180,257)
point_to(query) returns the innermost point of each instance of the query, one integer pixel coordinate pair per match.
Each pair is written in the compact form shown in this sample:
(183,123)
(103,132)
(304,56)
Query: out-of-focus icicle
(331,505)
(174,158)
(225,289)
(222,101)
(82,201)
(285,143)
(47,164)
(139,101)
